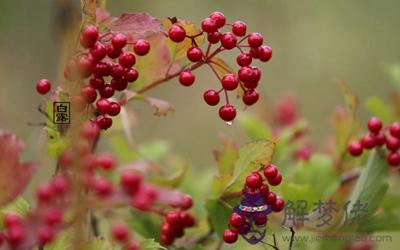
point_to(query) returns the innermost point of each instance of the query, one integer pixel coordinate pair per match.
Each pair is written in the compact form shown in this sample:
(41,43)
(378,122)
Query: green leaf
(371,185)
(145,224)
(394,73)
(150,244)
(293,192)
(226,157)
(387,221)
(122,149)
(175,178)
(252,156)
(254,128)
(154,150)
(219,183)
(219,214)
(378,108)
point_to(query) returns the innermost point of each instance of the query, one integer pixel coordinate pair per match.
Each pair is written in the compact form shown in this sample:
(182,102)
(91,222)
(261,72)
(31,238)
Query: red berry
(246,74)
(179,231)
(265,53)
(187,202)
(187,219)
(117,71)
(53,216)
(127,59)
(278,205)
(260,219)
(107,91)
(380,139)
(43,86)
(88,93)
(141,47)
(392,143)
(12,219)
(219,19)
(254,180)
(101,69)
(209,25)
(173,218)
(255,52)
(119,41)
(228,40)
(85,65)
(214,37)
(45,234)
(103,106)
(106,161)
(264,190)
(16,235)
(44,193)
(227,112)
(270,171)
(355,148)
(211,97)
(255,40)
(59,184)
(374,125)
(113,52)
(186,78)
(131,75)
(393,159)
(176,33)
(395,129)
(119,84)
(368,141)
(167,229)
(243,59)
(194,54)
(132,246)
(166,239)
(230,236)
(96,82)
(239,28)
(271,198)
(275,181)
(104,122)
(89,36)
(230,82)
(250,97)
(102,187)
(98,51)
(120,232)
(115,108)
(245,228)
(253,79)
(130,182)
(237,220)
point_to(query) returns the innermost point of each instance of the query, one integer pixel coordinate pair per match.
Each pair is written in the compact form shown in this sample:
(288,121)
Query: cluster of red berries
(247,77)
(239,224)
(176,222)
(378,136)
(102,61)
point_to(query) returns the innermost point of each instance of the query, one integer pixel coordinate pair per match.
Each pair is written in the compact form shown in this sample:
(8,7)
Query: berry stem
(215,72)
(221,66)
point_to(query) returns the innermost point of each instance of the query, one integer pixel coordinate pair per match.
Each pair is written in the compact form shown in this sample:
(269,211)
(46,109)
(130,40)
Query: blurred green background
(315,44)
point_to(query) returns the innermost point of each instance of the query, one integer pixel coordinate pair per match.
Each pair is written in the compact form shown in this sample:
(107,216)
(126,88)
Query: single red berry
(211,97)
(395,129)
(166,239)
(141,47)
(355,148)
(380,139)
(119,40)
(246,74)
(278,205)
(167,229)
(59,184)
(179,231)
(194,54)
(127,59)
(255,52)
(107,91)
(254,180)
(271,198)
(12,220)
(264,190)
(102,187)
(103,105)
(393,159)
(245,228)
(187,219)
(119,84)
(214,37)
(230,236)
(89,36)
(243,59)
(219,19)
(44,193)
(131,75)
(270,171)
(250,97)
(255,40)
(115,108)
(113,52)
(186,78)
(265,53)
(106,161)
(173,218)
(43,86)
(117,71)
(230,82)
(85,65)
(275,181)
(45,234)
(227,112)
(208,25)
(130,182)
(101,69)
(88,93)
(120,232)
(239,28)
(97,82)
(53,216)
(374,125)
(132,246)
(254,78)
(98,51)
(104,122)
(176,33)
(260,219)
(187,202)
(392,143)
(228,40)
(16,235)
(368,141)
(237,220)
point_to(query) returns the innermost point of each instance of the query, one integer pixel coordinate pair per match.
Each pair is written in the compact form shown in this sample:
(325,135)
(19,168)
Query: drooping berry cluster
(378,136)
(240,224)
(250,47)
(109,67)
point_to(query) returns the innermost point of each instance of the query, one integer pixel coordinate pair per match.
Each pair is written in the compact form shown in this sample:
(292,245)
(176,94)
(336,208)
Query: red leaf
(14,175)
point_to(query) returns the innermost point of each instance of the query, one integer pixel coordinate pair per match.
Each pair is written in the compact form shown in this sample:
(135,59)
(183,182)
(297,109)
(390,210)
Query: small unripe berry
(211,97)
(227,112)
(239,28)
(355,148)
(186,78)
(43,86)
(141,47)
(176,33)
